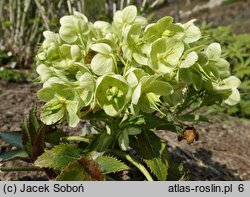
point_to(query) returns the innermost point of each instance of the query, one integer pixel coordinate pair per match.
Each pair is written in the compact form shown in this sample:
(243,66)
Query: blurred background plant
(23,21)
(236,48)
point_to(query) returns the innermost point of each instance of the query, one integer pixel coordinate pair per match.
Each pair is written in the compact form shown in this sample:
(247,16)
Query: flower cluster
(127,67)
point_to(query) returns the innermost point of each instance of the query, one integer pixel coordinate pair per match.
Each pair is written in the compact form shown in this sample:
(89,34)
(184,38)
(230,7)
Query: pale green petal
(123,140)
(46,94)
(161,88)
(102,64)
(51,117)
(72,108)
(213,51)
(75,51)
(192,32)
(101,48)
(126,16)
(232,82)
(190,60)
(233,98)
(136,94)
(44,72)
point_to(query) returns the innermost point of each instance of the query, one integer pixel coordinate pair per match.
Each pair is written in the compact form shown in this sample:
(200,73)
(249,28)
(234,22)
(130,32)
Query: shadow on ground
(202,167)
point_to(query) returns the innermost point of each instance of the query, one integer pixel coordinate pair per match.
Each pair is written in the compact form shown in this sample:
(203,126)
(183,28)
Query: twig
(42,13)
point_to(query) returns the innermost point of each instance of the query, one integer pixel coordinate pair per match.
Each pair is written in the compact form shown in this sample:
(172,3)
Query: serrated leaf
(12,138)
(81,170)
(111,164)
(153,152)
(58,157)
(14,154)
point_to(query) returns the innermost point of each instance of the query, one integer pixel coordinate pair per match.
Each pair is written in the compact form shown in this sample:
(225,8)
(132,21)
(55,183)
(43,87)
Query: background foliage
(236,49)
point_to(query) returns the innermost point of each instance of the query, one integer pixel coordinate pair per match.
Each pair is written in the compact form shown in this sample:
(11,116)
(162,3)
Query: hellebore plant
(128,79)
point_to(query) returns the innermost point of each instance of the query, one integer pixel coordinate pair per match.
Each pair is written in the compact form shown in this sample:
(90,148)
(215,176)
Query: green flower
(125,16)
(134,47)
(190,34)
(74,28)
(62,103)
(228,88)
(50,47)
(112,94)
(217,66)
(162,28)
(165,54)
(86,88)
(146,95)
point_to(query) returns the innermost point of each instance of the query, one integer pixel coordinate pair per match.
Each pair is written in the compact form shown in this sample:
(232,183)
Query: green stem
(134,162)
(76,138)
(27,168)
(125,65)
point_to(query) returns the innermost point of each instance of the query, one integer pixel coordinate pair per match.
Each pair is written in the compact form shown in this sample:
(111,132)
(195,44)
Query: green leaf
(55,136)
(155,122)
(177,172)
(58,157)
(154,153)
(192,118)
(12,138)
(111,164)
(81,170)
(245,85)
(14,154)
(101,142)
(26,137)
(34,123)
(38,143)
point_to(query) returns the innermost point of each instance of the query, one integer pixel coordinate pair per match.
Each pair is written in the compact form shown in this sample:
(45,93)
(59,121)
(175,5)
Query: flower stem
(134,162)
(76,138)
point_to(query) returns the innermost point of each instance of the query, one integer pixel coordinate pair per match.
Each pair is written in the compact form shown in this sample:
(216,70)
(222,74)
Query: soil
(235,14)
(222,152)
